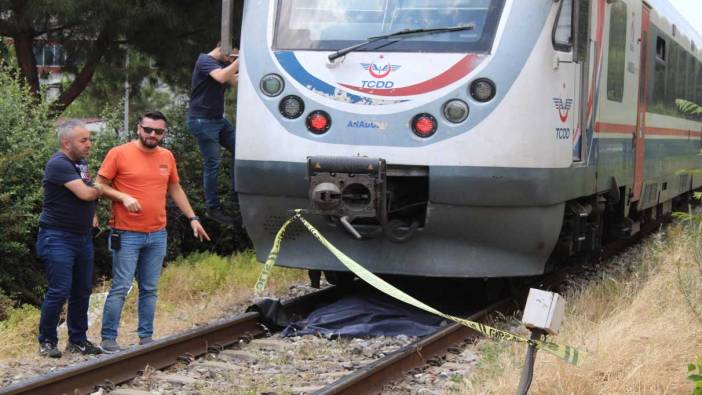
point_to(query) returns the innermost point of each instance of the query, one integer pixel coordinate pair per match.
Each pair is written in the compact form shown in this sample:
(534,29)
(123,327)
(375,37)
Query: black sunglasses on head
(149,130)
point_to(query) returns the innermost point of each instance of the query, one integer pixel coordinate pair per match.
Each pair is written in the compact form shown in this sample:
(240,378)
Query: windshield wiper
(400,34)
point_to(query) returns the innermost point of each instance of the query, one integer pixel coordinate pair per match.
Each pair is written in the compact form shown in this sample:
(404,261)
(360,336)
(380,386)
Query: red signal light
(318,122)
(424,125)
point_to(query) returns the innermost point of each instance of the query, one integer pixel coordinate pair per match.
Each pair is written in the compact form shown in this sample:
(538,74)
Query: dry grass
(641,321)
(192,291)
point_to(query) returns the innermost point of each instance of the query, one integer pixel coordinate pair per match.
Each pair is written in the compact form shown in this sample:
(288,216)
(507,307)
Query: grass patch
(19,331)
(640,321)
(192,290)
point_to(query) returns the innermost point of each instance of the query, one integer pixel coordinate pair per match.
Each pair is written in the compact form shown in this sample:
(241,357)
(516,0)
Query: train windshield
(336,24)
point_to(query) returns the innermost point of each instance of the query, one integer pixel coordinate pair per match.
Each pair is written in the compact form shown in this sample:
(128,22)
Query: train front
(418,135)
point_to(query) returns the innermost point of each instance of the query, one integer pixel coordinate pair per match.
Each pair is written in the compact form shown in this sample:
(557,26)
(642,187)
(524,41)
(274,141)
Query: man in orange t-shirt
(137,177)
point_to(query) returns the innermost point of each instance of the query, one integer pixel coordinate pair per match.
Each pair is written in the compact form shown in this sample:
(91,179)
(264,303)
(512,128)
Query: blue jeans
(210,134)
(68,259)
(141,256)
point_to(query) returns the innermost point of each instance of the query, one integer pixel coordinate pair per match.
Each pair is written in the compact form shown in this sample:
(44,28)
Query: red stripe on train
(459,70)
(605,128)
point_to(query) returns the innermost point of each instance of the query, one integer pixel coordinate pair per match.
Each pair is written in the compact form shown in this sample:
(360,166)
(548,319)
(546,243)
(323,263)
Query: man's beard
(147,143)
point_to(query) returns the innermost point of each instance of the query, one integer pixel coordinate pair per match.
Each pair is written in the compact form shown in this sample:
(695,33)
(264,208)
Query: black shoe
(48,349)
(84,347)
(217,214)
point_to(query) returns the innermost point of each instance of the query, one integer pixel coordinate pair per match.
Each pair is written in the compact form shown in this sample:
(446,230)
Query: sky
(691,10)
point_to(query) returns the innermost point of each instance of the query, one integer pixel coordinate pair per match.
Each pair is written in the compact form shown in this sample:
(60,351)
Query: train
(462,138)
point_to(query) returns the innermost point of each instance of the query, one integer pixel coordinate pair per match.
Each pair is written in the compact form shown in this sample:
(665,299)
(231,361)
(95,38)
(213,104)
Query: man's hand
(198,230)
(132,205)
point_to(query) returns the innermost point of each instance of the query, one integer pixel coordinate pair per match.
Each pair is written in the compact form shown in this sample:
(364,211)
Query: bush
(26,142)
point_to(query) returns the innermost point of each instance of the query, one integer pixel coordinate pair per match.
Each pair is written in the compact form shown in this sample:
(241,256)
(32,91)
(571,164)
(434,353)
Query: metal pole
(226,32)
(528,370)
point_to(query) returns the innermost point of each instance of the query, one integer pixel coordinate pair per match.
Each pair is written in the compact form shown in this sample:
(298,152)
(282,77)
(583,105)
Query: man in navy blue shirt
(212,73)
(65,243)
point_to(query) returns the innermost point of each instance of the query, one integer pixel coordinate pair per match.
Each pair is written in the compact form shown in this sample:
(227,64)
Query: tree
(95,31)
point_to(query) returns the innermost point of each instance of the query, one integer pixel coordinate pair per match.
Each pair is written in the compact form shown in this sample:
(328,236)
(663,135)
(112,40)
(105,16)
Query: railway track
(110,370)
(367,376)
(375,376)
(372,378)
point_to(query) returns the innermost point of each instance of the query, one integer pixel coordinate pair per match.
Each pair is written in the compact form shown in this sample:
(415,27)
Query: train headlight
(424,125)
(456,111)
(272,85)
(482,90)
(291,106)
(318,122)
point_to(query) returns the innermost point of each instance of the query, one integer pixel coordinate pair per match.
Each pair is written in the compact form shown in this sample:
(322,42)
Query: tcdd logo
(379,70)
(563,107)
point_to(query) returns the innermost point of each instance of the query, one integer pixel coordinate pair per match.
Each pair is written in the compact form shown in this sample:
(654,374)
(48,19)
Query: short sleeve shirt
(206,94)
(61,208)
(145,176)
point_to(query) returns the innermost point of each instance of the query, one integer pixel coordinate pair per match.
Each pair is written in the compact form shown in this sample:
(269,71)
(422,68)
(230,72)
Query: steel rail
(372,377)
(108,371)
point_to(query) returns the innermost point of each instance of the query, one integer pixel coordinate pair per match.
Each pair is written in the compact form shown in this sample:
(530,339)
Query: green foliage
(690,217)
(95,32)
(693,110)
(694,371)
(21,318)
(7,54)
(146,90)
(26,142)
(6,304)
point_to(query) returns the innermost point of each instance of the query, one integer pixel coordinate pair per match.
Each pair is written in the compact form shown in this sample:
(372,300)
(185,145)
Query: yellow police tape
(569,354)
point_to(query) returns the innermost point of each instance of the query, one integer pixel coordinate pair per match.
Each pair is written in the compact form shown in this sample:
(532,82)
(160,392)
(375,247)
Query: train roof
(669,12)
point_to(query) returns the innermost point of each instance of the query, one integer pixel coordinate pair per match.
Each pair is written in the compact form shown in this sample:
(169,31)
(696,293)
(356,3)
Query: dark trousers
(210,135)
(68,260)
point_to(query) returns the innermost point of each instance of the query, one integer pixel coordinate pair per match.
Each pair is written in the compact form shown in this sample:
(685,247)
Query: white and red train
(463,138)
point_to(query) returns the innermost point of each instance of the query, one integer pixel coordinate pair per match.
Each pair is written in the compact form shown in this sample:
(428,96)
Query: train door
(639,137)
(566,73)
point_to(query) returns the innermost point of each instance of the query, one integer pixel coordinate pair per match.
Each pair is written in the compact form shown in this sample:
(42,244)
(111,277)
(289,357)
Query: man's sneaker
(109,346)
(145,340)
(48,349)
(217,214)
(84,347)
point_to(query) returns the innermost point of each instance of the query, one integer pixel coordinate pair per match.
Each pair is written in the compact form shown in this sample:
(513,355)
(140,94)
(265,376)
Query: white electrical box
(544,310)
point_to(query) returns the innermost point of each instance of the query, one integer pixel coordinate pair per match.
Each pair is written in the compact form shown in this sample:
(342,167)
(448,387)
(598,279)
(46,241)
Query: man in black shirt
(65,243)
(212,73)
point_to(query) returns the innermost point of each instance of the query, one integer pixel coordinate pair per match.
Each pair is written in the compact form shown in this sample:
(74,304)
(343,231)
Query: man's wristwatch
(194,218)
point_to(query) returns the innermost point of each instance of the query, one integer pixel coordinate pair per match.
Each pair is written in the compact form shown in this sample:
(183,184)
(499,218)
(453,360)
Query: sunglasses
(149,130)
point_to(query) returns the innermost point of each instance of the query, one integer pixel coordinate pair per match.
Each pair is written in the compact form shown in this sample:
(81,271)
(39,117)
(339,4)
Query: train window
(677,74)
(660,49)
(563,31)
(657,100)
(336,24)
(673,77)
(617,52)
(690,85)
